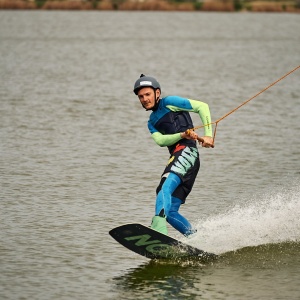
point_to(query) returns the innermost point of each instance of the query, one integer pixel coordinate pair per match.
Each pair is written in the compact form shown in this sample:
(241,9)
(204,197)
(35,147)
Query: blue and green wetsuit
(170,118)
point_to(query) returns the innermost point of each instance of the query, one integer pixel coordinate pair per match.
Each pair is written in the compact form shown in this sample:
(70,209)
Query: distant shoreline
(284,6)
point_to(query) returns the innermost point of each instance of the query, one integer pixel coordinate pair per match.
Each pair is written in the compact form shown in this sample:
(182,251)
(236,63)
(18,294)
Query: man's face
(148,96)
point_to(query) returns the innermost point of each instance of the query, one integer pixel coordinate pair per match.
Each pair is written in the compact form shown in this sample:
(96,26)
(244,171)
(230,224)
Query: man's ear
(157,93)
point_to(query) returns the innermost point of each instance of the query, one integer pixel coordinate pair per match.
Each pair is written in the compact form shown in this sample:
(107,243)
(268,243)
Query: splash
(270,218)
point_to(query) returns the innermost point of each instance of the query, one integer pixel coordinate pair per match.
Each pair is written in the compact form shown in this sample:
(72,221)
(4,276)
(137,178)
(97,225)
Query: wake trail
(270,218)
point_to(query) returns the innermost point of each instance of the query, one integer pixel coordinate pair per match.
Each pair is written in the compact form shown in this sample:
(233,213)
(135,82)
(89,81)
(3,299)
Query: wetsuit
(169,118)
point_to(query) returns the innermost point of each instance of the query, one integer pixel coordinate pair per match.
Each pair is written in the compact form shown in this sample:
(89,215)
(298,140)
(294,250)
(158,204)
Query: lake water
(77,159)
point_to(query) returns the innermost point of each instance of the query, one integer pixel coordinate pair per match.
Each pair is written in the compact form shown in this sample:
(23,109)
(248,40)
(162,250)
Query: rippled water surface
(77,158)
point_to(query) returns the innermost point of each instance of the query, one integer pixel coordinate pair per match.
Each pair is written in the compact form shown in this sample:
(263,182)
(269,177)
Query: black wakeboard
(155,245)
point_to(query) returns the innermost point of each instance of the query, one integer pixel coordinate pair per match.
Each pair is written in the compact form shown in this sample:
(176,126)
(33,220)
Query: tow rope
(235,109)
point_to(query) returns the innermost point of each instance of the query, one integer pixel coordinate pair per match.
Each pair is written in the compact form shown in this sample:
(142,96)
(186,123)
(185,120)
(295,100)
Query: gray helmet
(146,81)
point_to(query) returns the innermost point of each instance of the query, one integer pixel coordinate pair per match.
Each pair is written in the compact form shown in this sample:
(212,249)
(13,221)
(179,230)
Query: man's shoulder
(172,98)
(177,102)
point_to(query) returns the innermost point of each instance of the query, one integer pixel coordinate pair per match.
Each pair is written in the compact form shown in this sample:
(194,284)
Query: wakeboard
(155,245)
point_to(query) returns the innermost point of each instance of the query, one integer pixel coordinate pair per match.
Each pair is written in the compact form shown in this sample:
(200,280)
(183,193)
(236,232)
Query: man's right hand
(189,135)
(205,141)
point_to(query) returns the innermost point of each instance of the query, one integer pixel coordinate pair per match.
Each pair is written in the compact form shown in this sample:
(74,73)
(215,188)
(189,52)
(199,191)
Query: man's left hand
(206,141)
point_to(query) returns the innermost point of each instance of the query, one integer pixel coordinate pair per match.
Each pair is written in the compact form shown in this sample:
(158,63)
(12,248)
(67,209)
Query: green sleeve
(204,113)
(198,107)
(165,139)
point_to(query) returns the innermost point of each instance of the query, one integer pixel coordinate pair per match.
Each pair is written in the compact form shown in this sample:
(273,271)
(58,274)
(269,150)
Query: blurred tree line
(198,4)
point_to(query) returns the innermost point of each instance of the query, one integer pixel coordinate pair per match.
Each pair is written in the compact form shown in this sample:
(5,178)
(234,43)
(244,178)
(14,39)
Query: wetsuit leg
(169,206)
(164,197)
(175,219)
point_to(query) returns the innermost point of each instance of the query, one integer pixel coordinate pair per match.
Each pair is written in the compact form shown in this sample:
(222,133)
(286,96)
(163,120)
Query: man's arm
(165,139)
(176,103)
(204,113)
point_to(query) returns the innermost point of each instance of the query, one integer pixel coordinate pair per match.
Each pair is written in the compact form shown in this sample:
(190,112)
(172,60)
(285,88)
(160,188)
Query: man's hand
(189,135)
(205,141)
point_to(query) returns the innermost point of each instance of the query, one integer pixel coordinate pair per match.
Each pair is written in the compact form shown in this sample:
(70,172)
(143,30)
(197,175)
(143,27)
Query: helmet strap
(156,101)
(155,107)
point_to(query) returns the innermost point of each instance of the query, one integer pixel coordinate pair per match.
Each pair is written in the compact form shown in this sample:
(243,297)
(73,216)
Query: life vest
(174,122)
